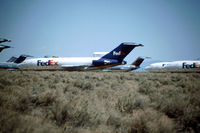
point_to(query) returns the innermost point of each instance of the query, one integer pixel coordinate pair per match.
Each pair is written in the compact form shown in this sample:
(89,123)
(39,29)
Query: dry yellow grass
(97,102)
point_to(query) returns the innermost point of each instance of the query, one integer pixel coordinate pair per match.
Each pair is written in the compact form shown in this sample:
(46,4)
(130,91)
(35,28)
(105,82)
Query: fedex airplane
(113,58)
(175,66)
(126,68)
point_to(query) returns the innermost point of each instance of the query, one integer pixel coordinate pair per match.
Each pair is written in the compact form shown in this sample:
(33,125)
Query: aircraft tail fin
(2,47)
(21,58)
(139,61)
(4,40)
(12,59)
(120,52)
(116,56)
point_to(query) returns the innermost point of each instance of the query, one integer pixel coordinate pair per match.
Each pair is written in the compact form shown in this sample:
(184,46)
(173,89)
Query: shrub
(44,101)
(151,121)
(131,102)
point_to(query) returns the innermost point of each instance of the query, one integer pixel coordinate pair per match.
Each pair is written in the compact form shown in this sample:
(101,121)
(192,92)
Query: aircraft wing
(80,67)
(73,67)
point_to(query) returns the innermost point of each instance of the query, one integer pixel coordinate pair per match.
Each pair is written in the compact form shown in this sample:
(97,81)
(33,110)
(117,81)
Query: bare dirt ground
(97,102)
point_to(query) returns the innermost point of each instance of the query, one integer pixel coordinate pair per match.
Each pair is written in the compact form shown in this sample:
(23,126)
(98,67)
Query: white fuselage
(121,68)
(57,63)
(175,66)
(8,65)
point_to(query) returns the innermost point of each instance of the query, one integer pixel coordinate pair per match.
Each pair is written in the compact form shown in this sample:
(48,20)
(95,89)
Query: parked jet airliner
(175,66)
(113,58)
(126,68)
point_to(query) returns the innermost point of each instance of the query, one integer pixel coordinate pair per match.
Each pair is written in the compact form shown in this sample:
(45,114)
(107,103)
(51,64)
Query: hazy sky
(169,29)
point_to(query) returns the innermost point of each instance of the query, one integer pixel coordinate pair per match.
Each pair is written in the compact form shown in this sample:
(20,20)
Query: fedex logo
(194,65)
(118,53)
(47,63)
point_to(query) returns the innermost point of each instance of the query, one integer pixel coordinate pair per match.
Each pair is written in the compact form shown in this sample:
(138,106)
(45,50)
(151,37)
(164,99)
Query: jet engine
(104,62)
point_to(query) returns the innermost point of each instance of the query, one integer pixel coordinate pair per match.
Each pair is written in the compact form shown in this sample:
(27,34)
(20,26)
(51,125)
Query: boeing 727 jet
(113,58)
(175,66)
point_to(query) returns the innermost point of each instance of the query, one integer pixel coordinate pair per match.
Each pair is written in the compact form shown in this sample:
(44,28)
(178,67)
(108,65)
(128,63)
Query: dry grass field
(97,102)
